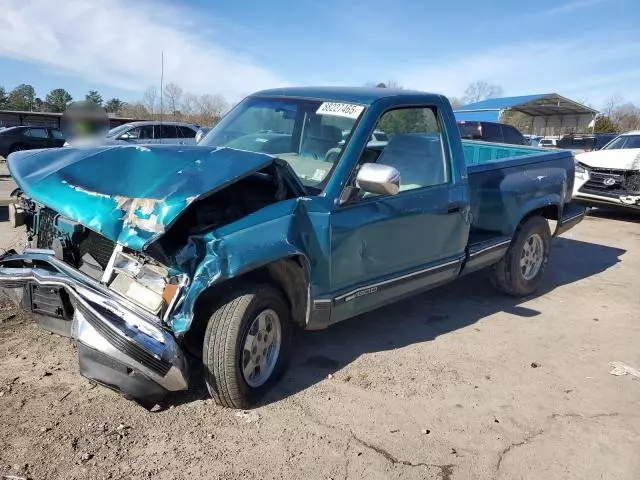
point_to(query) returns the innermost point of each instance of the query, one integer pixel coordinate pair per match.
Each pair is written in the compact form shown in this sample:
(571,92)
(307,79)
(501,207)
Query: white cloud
(571,6)
(581,70)
(119,43)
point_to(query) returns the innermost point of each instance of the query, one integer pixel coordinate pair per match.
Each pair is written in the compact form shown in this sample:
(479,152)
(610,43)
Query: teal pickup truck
(155,258)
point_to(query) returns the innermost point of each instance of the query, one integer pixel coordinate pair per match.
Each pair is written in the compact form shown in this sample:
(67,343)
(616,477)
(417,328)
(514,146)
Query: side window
(57,134)
(166,131)
(37,133)
(132,133)
(185,132)
(511,135)
(491,132)
(415,147)
(146,132)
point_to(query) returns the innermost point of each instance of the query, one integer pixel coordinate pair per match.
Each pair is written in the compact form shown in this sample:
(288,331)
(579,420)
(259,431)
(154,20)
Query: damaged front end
(101,267)
(120,344)
(110,300)
(606,185)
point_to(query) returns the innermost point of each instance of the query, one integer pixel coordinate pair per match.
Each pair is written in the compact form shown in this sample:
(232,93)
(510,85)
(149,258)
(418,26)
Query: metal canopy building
(548,114)
(12,118)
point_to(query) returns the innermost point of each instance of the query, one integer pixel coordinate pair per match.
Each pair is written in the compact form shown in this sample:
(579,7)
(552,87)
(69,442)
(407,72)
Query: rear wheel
(521,270)
(246,345)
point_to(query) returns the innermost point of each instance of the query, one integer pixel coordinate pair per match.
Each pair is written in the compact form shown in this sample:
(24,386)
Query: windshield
(307,134)
(623,141)
(114,132)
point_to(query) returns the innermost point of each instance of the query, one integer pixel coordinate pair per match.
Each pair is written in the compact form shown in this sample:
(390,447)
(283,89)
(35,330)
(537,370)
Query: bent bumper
(119,344)
(630,201)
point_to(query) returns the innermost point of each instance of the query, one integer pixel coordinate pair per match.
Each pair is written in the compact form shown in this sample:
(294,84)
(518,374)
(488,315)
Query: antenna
(161,83)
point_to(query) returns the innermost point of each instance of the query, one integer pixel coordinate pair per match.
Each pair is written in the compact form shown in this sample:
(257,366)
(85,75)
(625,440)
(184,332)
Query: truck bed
(506,181)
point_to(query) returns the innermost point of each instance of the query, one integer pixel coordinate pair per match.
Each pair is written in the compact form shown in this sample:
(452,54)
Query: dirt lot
(459,383)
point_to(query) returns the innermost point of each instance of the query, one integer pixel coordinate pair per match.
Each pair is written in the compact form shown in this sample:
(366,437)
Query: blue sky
(587,50)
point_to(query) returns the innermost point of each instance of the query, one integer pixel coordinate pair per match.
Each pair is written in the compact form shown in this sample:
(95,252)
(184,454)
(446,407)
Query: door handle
(454,207)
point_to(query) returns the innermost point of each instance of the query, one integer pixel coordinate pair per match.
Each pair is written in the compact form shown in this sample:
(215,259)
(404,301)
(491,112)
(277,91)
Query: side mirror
(126,136)
(378,178)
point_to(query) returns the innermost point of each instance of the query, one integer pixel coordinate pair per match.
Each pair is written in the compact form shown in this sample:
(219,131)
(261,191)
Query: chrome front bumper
(119,344)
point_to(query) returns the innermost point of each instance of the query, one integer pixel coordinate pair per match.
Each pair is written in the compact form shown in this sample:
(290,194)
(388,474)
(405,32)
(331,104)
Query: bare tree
(611,104)
(172,98)
(189,104)
(387,84)
(211,108)
(150,99)
(455,102)
(627,116)
(135,110)
(481,90)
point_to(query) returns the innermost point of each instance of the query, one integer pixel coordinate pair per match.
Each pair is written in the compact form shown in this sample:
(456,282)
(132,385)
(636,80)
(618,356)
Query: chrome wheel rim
(531,256)
(261,348)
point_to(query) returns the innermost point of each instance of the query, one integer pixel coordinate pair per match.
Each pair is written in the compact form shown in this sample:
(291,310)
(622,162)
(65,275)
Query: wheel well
(289,275)
(550,212)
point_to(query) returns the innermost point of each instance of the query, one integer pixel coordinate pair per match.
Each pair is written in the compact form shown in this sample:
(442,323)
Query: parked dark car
(15,139)
(581,142)
(491,132)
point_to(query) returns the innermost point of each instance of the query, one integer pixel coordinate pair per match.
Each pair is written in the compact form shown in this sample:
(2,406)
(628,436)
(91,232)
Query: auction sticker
(348,110)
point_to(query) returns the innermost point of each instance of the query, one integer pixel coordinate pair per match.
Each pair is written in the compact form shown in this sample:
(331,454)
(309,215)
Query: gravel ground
(458,383)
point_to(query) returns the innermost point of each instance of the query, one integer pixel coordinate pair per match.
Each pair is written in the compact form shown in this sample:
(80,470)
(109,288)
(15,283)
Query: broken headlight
(147,285)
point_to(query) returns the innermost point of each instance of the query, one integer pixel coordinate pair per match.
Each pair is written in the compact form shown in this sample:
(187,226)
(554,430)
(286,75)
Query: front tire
(521,270)
(246,345)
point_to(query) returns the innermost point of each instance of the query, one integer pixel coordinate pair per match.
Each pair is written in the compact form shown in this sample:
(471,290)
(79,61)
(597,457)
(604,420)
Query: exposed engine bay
(145,278)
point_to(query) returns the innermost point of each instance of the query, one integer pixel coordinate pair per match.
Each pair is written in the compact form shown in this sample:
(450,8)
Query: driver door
(384,247)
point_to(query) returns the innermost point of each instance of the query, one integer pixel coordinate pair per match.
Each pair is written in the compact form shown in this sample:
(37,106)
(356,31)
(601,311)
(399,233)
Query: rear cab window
(470,130)
(512,136)
(491,132)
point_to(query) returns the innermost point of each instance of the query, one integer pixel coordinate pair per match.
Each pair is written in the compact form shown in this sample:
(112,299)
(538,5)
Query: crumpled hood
(129,194)
(622,159)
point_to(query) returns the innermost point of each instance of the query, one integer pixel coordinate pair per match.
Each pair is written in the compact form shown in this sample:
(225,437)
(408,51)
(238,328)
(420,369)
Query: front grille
(98,247)
(612,182)
(46,227)
(74,245)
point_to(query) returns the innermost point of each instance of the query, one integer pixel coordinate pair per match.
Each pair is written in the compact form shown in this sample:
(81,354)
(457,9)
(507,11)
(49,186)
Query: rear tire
(242,337)
(521,270)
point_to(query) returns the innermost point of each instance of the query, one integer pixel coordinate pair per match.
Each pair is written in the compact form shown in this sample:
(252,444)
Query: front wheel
(246,345)
(520,271)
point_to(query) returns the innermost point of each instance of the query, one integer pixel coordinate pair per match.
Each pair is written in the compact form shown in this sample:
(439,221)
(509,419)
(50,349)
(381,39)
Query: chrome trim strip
(490,247)
(395,279)
(573,217)
(322,300)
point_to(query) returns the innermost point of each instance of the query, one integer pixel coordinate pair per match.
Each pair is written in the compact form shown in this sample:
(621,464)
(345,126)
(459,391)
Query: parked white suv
(548,142)
(610,175)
